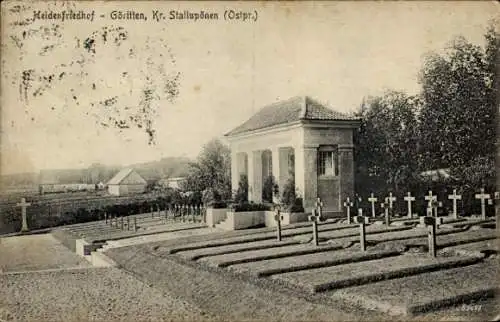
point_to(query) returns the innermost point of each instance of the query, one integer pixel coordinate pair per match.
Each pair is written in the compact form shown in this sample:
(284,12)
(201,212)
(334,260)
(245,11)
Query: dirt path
(36,252)
(95,294)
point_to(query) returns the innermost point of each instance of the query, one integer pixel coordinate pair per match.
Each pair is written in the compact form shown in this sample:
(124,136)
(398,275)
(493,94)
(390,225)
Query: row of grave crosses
(429,221)
(432,203)
(315,218)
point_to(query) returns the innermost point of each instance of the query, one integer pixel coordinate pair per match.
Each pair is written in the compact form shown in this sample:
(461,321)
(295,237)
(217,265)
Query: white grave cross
(390,200)
(348,204)
(372,200)
(409,199)
(455,197)
(483,196)
(432,201)
(23,204)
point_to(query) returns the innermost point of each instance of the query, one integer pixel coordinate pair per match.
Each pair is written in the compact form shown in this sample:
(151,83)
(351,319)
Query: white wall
(215,216)
(242,220)
(114,189)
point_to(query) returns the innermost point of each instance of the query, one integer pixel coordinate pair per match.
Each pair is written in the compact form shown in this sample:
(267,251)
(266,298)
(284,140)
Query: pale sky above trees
(335,52)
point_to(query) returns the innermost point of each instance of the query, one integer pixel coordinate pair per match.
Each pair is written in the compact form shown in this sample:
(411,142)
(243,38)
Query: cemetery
(297,212)
(308,236)
(363,261)
(323,246)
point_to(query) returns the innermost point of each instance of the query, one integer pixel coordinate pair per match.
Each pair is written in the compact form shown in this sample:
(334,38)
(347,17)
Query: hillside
(166,167)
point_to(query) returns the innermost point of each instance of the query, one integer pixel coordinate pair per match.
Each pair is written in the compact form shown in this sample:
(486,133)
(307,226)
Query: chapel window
(328,164)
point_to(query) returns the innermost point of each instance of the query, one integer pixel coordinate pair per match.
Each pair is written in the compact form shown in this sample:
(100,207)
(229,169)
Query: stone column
(276,156)
(306,175)
(255,176)
(235,176)
(346,171)
(280,166)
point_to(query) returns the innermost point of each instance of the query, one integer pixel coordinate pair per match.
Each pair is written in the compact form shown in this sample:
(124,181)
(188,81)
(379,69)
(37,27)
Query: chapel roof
(289,111)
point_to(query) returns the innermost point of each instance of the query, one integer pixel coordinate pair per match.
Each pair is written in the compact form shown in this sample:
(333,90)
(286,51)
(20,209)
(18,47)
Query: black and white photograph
(249,160)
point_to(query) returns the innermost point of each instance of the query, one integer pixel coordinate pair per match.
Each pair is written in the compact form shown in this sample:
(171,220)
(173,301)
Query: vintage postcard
(255,160)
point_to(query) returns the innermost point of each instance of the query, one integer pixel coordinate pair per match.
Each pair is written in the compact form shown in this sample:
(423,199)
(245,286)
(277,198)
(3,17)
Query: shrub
(212,198)
(219,205)
(289,201)
(268,189)
(240,207)
(241,195)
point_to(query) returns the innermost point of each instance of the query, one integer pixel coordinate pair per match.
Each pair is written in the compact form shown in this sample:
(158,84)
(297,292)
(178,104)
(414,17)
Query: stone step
(335,231)
(222,225)
(409,234)
(309,261)
(246,238)
(471,222)
(354,232)
(442,240)
(421,293)
(264,254)
(168,235)
(123,234)
(99,259)
(327,278)
(234,248)
(486,247)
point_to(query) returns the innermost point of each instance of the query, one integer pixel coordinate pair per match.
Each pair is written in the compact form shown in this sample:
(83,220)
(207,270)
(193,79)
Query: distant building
(64,187)
(173,183)
(125,182)
(436,175)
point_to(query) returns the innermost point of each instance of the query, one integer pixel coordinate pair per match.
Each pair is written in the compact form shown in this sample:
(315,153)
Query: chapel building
(298,137)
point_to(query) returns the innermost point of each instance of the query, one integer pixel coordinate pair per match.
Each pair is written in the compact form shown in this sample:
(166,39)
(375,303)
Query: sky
(335,52)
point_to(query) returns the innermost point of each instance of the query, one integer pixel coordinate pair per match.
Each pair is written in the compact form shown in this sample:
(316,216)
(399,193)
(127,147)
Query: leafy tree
(386,143)
(457,123)
(212,170)
(120,98)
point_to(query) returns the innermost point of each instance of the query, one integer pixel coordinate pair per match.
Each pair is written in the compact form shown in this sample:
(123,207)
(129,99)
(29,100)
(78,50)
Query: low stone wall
(291,218)
(244,219)
(84,248)
(288,218)
(269,218)
(334,214)
(215,216)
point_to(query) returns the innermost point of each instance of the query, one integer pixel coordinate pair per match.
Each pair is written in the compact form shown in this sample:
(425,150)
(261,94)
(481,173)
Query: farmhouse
(127,181)
(299,137)
(174,183)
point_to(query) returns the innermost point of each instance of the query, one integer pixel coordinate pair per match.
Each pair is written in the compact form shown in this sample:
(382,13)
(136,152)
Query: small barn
(126,182)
